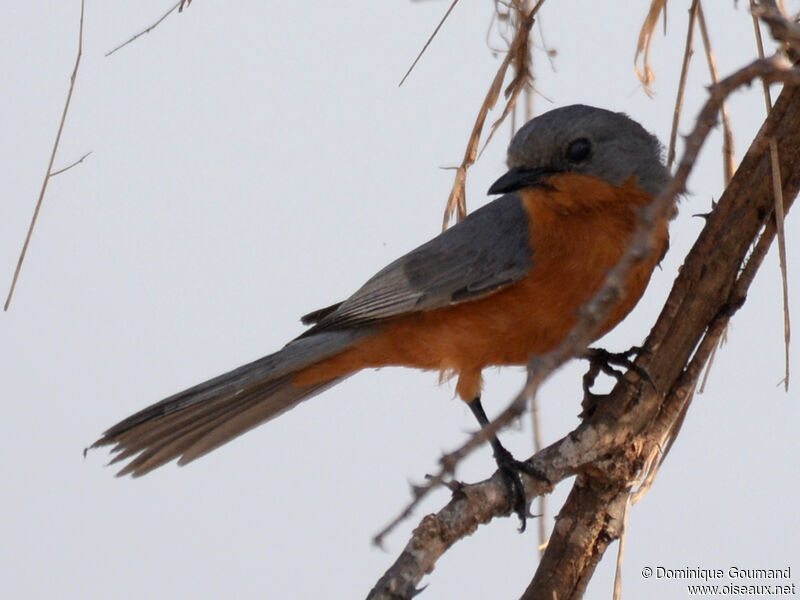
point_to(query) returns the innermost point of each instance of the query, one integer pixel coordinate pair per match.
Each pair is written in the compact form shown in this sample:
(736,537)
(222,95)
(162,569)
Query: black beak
(518,178)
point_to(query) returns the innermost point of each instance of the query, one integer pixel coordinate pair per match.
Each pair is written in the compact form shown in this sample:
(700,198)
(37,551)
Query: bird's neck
(570,193)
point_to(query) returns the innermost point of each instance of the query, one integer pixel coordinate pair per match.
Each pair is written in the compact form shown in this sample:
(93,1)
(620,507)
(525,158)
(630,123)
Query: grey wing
(485,252)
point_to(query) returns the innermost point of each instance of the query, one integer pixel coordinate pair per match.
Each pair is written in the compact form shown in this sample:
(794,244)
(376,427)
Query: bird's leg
(509,467)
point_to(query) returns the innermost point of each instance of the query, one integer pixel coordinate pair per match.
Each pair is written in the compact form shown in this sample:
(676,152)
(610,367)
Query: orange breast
(579,229)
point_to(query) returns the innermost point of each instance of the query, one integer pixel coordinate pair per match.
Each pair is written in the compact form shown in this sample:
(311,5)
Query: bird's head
(588,141)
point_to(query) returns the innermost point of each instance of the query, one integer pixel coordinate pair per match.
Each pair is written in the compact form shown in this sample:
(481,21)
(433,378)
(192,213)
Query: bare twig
(528,89)
(69,166)
(456,202)
(779,220)
(687,57)
(621,552)
(537,446)
(522,83)
(728,154)
(636,486)
(776,16)
(179,6)
(428,42)
(49,172)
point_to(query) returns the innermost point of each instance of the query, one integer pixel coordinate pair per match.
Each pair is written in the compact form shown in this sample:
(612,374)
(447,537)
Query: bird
(500,286)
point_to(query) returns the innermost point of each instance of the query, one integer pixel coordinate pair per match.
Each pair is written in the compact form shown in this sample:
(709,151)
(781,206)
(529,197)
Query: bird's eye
(579,150)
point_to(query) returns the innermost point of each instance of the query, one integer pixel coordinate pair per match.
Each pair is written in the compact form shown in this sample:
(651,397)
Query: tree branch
(593,313)
(619,432)
(706,294)
(781,28)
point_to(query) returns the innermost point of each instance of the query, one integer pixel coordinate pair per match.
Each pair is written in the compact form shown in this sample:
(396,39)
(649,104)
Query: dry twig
(728,154)
(728,157)
(517,53)
(72,164)
(645,73)
(687,57)
(783,30)
(49,172)
(180,5)
(428,42)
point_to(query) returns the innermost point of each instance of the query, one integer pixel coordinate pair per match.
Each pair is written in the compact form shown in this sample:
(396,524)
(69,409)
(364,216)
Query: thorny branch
(709,289)
(782,29)
(610,427)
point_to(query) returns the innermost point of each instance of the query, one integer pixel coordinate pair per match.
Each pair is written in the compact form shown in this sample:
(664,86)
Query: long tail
(194,422)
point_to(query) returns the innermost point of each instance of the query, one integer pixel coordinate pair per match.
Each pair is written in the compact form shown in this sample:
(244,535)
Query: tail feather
(156,433)
(194,422)
(253,414)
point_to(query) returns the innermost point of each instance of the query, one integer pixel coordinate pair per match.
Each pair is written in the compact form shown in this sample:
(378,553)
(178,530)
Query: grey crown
(620,146)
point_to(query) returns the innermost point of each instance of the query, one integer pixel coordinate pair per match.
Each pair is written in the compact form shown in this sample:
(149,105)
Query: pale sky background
(253,161)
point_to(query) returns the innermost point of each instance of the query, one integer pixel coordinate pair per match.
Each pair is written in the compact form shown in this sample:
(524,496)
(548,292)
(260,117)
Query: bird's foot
(511,468)
(601,360)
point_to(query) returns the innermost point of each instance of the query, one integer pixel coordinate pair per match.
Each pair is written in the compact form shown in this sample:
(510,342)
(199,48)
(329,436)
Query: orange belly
(579,230)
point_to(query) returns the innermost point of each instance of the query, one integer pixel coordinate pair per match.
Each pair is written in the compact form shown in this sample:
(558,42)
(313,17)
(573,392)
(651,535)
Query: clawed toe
(601,360)
(510,468)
